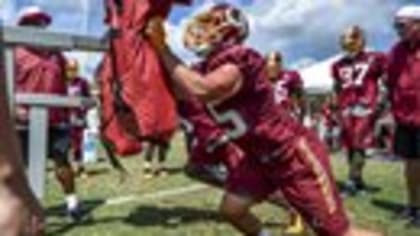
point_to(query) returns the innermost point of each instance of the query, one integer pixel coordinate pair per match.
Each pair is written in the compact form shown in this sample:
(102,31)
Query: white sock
(72,201)
(264,233)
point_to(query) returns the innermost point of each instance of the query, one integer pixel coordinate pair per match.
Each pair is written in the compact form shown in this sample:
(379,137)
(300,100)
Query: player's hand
(155,31)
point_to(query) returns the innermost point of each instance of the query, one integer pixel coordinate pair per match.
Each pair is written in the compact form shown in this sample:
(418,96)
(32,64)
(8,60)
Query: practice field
(177,206)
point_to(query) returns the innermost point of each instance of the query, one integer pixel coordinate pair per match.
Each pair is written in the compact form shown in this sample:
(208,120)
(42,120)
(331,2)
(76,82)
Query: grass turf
(195,212)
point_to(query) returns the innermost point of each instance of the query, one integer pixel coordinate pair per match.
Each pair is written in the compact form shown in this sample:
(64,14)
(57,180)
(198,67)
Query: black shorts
(407,141)
(58,144)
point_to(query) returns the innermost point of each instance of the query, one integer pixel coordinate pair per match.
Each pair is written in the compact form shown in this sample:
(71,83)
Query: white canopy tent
(317,77)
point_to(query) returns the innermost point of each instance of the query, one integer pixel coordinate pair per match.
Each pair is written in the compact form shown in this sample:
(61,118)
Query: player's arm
(380,102)
(336,91)
(215,86)
(297,92)
(336,84)
(298,95)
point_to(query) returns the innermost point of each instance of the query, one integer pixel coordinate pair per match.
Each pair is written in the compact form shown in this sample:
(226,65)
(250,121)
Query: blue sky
(304,30)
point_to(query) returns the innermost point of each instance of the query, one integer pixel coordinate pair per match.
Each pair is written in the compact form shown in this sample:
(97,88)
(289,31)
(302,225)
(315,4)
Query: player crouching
(232,84)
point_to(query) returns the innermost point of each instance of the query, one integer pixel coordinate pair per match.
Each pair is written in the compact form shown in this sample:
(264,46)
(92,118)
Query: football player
(288,92)
(356,75)
(79,87)
(330,122)
(232,82)
(214,160)
(288,85)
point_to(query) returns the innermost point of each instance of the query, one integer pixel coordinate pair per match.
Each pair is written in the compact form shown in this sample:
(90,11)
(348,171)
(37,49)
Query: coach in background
(404,90)
(39,70)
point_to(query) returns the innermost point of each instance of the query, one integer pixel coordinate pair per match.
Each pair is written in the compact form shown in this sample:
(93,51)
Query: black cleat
(349,190)
(403,214)
(414,221)
(75,215)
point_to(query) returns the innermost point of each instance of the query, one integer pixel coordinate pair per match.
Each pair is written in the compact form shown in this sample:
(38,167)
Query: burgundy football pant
(304,177)
(76,134)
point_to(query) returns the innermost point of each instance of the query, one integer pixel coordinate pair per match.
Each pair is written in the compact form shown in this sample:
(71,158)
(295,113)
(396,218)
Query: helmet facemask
(72,69)
(353,41)
(221,25)
(274,64)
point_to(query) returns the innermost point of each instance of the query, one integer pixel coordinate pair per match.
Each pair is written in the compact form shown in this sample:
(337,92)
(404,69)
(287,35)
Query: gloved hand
(156,34)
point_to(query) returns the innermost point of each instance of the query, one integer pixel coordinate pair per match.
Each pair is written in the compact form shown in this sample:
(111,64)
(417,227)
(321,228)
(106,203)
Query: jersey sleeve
(248,61)
(297,82)
(335,76)
(85,89)
(381,64)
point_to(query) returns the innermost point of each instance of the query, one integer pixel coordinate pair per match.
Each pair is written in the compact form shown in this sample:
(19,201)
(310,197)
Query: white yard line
(155,195)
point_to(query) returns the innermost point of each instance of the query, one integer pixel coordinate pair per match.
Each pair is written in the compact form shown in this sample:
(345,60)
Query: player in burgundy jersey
(203,142)
(288,85)
(356,76)
(288,92)
(79,87)
(232,83)
(214,160)
(330,122)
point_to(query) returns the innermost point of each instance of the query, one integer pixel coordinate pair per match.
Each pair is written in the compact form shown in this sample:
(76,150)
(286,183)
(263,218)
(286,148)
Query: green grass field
(176,206)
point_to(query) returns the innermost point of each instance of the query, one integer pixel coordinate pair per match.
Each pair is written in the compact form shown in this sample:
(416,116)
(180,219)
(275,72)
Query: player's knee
(63,170)
(60,160)
(232,209)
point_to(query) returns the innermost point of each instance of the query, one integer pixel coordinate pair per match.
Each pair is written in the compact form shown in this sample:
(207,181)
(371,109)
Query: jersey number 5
(237,124)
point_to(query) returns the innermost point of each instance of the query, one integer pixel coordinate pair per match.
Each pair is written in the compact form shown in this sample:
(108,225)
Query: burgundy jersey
(357,79)
(328,115)
(40,71)
(206,142)
(201,131)
(287,83)
(78,87)
(403,82)
(251,118)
